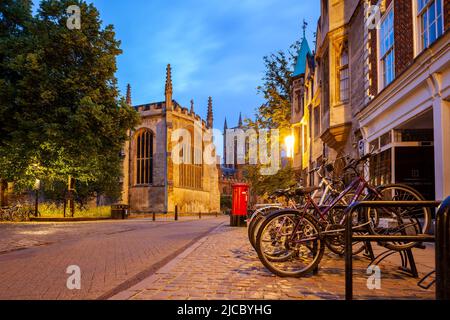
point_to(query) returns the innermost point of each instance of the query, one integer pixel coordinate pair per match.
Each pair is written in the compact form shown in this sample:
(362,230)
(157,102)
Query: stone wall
(155,197)
(206,200)
(149,198)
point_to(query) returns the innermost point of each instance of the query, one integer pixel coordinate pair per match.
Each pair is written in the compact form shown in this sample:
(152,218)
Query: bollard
(176,213)
(154,216)
(200,215)
(443,251)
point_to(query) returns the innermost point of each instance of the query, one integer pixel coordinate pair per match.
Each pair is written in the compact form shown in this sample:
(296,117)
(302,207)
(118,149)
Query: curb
(159,217)
(68,219)
(134,290)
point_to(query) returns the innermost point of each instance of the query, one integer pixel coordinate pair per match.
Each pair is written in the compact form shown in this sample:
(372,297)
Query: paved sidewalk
(224,266)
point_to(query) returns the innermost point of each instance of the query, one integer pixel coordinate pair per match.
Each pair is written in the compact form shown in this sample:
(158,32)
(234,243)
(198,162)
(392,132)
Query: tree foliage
(60,110)
(274,113)
(266,185)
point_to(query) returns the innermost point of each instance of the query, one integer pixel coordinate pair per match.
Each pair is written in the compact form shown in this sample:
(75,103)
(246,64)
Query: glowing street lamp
(289,143)
(37,184)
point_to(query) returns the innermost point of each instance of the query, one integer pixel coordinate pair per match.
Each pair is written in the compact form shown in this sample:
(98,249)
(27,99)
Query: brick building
(153,181)
(380,81)
(407,115)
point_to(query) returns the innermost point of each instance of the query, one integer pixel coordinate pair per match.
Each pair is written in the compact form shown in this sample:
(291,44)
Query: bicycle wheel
(335,242)
(298,254)
(255,222)
(398,221)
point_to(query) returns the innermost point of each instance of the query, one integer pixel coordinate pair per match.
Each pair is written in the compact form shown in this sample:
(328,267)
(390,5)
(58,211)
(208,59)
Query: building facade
(407,117)
(380,83)
(232,168)
(165,161)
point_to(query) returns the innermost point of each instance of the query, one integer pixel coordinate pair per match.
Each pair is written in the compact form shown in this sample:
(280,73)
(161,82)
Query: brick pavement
(224,266)
(112,255)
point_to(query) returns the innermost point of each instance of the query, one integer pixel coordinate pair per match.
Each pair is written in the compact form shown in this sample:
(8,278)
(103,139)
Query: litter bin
(119,211)
(240,204)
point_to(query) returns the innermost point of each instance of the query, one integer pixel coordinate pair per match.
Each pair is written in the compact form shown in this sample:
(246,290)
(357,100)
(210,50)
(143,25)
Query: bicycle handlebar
(354,163)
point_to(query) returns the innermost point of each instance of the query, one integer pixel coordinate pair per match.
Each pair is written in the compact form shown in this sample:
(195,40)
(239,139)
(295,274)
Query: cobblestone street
(223,266)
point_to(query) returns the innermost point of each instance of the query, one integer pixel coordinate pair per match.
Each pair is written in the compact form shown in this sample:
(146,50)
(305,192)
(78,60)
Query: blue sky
(215,48)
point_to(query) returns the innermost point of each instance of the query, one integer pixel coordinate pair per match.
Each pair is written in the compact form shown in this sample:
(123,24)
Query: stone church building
(152,181)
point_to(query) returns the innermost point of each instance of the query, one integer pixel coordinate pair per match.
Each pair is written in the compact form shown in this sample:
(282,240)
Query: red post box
(240,204)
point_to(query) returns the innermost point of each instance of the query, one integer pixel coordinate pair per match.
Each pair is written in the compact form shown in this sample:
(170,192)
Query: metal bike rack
(442,240)
(443,251)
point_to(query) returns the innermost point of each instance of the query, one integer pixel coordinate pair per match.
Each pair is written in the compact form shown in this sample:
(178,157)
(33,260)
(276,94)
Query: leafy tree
(225,203)
(275,113)
(264,186)
(60,112)
(15,43)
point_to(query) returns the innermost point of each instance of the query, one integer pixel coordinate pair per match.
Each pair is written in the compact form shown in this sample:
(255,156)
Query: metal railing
(443,251)
(442,240)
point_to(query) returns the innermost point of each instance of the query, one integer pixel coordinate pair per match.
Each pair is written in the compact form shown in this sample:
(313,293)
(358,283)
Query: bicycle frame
(324,182)
(328,188)
(359,184)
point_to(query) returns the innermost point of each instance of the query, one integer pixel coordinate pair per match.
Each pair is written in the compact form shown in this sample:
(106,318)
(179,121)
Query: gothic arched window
(191,170)
(144,158)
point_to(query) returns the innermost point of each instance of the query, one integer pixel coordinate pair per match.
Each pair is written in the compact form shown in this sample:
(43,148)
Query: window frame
(340,68)
(317,121)
(382,83)
(325,75)
(300,97)
(144,158)
(420,25)
(190,173)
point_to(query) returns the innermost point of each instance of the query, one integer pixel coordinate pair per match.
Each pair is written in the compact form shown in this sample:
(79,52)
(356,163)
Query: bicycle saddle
(301,191)
(280,193)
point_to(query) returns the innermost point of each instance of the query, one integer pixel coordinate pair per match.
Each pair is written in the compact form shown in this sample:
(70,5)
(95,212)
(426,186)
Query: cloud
(189,47)
(215,47)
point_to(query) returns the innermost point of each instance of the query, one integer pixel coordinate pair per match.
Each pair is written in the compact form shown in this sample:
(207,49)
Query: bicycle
(299,236)
(329,192)
(16,213)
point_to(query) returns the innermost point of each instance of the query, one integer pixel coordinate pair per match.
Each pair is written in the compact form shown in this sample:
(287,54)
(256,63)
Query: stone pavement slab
(224,266)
